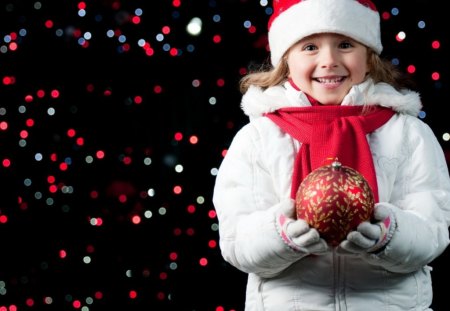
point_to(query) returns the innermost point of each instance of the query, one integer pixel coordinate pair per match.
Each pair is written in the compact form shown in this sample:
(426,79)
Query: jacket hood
(256,101)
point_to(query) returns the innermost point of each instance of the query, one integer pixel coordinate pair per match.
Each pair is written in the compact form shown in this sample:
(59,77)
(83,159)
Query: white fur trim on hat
(299,19)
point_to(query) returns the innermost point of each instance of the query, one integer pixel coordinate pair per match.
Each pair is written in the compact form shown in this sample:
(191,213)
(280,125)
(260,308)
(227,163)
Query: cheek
(299,72)
(298,79)
(360,71)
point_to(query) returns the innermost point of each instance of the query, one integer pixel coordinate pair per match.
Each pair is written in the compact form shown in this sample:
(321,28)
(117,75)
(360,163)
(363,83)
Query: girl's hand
(297,234)
(371,237)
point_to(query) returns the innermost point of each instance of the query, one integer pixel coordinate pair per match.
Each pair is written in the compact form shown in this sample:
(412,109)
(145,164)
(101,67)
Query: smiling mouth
(330,80)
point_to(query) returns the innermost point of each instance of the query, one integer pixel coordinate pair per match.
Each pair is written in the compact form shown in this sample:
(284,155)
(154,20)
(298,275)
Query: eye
(345,45)
(309,47)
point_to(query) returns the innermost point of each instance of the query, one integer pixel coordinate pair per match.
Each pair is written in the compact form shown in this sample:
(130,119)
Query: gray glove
(371,237)
(296,233)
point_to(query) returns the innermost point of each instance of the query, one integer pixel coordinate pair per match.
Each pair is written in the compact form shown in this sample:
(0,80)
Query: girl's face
(326,66)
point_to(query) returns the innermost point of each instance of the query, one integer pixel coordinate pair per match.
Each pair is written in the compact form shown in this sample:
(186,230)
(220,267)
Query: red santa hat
(293,20)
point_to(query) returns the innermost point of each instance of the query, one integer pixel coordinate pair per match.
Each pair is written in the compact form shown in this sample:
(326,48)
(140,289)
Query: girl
(328,94)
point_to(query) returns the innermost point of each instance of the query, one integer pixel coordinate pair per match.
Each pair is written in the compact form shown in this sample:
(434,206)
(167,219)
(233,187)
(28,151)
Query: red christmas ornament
(334,199)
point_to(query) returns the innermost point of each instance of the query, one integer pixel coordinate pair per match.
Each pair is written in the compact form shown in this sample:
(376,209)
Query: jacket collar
(256,101)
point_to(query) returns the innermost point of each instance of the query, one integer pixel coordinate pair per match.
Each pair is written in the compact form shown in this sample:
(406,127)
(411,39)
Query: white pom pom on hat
(293,20)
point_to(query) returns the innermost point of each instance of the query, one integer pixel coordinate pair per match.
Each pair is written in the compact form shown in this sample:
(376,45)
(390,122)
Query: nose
(329,57)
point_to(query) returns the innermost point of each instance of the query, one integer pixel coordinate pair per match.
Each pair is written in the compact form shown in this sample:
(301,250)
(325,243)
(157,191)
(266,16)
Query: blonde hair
(380,70)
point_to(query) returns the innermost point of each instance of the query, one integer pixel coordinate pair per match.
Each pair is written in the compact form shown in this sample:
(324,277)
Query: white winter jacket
(255,177)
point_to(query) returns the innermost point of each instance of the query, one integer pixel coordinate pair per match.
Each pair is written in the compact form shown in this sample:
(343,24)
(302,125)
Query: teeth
(323,80)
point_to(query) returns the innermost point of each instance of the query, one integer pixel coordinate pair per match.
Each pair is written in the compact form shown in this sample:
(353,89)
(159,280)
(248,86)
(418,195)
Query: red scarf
(332,132)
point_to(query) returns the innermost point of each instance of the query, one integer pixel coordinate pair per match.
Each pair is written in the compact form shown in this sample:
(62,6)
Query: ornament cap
(336,165)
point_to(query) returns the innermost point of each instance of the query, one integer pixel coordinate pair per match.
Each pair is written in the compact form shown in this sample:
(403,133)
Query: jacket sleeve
(246,201)
(421,203)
